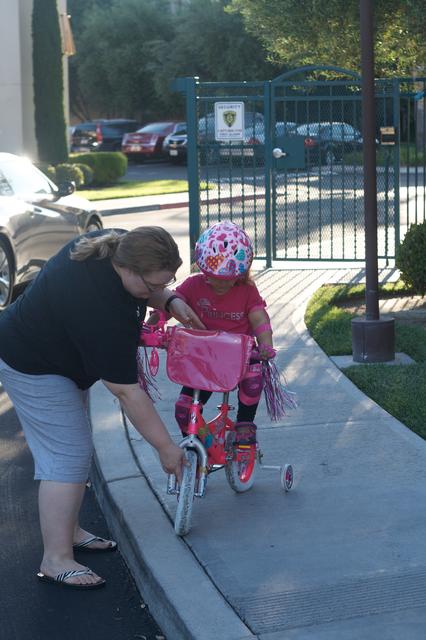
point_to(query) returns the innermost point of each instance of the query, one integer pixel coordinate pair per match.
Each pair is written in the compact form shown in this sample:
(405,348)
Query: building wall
(11,116)
(17,129)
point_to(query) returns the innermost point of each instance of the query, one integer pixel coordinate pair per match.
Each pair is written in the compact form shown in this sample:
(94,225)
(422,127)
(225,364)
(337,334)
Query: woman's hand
(183,312)
(172,458)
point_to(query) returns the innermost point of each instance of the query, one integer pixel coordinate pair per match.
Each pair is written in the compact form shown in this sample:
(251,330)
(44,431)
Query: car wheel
(93,225)
(330,157)
(7,274)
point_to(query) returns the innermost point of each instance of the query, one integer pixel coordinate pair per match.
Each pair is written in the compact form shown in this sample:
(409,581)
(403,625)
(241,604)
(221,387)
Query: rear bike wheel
(241,470)
(186,495)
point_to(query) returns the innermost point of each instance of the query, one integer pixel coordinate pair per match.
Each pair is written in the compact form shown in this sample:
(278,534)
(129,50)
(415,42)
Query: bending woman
(77,323)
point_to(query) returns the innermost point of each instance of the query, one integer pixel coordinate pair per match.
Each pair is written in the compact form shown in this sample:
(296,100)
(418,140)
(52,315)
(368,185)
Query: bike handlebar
(158,335)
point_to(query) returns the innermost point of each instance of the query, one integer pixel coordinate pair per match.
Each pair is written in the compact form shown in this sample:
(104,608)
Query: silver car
(36,219)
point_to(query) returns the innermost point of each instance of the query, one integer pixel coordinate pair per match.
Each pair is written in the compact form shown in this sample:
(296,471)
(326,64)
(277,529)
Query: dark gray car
(36,219)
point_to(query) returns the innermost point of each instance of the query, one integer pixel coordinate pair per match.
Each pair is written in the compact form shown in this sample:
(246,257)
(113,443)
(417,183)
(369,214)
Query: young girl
(225,298)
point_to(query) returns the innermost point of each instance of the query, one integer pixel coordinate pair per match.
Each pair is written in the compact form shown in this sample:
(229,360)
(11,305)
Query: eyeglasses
(152,286)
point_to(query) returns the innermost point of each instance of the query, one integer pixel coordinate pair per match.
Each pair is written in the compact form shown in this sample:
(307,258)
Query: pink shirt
(228,312)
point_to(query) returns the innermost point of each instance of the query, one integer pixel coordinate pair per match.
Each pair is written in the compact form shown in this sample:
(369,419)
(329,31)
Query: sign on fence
(229,120)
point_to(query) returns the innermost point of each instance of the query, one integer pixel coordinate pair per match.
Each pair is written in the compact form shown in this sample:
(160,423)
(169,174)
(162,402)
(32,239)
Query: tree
(211,44)
(114,48)
(299,32)
(129,52)
(50,125)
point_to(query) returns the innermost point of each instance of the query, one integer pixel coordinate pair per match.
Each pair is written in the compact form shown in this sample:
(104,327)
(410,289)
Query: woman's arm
(141,412)
(178,308)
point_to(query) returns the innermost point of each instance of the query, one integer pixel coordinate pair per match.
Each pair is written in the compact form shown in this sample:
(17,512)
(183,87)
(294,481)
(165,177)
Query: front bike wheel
(186,495)
(241,470)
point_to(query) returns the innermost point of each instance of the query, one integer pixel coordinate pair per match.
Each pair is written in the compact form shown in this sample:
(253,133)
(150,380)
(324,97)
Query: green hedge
(48,84)
(69,173)
(48,170)
(411,258)
(108,166)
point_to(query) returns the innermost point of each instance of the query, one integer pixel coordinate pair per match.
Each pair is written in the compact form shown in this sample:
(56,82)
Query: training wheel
(286,477)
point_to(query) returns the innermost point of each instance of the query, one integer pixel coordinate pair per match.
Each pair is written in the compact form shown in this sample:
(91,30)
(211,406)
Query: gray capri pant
(53,415)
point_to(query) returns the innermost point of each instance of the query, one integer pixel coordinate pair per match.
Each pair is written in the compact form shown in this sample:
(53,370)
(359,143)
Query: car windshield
(308,129)
(118,129)
(156,127)
(81,128)
(23,178)
(5,188)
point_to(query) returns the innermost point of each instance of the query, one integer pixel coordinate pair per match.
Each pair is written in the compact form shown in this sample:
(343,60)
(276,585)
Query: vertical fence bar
(193,172)
(268,170)
(396,159)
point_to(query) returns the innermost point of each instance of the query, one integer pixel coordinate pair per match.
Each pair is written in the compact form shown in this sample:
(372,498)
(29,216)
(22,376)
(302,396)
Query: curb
(176,205)
(180,595)
(148,207)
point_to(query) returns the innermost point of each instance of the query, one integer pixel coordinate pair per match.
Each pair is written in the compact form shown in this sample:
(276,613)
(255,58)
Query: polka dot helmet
(224,251)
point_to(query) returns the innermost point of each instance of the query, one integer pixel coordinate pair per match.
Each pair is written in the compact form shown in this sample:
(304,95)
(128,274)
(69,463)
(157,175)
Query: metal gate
(295,181)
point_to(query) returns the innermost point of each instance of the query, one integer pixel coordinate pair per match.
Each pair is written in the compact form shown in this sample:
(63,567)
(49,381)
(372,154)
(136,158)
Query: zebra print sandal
(61,579)
(84,546)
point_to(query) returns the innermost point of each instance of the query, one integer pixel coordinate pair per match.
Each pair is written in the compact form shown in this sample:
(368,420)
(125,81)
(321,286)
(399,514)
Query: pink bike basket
(208,360)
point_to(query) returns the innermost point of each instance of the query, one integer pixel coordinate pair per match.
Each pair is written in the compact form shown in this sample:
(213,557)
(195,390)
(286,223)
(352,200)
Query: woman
(78,323)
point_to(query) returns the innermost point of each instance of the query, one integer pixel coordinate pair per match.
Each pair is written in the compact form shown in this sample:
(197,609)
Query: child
(225,298)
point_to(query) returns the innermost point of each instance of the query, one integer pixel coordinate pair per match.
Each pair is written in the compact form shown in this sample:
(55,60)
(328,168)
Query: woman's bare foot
(54,568)
(89,542)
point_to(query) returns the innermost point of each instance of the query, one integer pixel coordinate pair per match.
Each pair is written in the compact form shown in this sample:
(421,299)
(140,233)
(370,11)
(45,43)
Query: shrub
(69,172)
(108,166)
(48,83)
(411,258)
(48,170)
(87,173)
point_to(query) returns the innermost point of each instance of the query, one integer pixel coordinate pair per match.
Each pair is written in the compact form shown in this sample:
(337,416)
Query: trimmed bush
(69,172)
(108,166)
(87,173)
(48,83)
(48,170)
(411,258)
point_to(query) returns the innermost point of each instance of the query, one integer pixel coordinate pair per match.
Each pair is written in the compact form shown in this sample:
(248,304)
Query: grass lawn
(401,390)
(130,189)
(409,156)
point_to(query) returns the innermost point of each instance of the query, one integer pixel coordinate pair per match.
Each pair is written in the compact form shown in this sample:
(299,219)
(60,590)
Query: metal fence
(308,203)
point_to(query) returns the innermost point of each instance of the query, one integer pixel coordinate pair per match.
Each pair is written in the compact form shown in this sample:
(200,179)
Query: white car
(36,219)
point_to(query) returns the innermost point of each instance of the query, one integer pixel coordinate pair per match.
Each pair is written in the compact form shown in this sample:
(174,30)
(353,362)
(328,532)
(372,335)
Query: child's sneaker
(245,433)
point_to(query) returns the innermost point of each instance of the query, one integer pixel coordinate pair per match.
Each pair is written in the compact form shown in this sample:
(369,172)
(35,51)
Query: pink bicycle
(214,361)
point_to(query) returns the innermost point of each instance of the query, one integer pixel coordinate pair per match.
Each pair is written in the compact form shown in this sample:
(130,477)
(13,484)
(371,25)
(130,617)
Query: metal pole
(192,163)
(369,153)
(373,338)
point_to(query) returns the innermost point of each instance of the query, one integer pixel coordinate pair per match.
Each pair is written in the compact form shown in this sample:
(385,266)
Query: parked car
(327,142)
(175,145)
(147,142)
(210,148)
(253,145)
(36,219)
(101,135)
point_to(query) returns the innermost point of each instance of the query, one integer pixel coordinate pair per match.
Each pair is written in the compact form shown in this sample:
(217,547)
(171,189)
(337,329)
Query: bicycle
(214,361)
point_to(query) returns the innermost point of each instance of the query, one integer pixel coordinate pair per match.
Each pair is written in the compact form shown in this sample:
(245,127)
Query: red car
(147,143)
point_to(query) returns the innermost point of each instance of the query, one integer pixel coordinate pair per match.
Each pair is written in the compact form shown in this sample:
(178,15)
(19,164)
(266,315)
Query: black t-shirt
(75,320)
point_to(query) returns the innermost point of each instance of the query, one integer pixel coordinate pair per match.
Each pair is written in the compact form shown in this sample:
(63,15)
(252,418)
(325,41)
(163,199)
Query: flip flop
(84,546)
(61,579)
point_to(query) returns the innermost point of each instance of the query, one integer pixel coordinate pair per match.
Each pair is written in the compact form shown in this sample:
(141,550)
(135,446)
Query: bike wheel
(286,477)
(186,495)
(241,470)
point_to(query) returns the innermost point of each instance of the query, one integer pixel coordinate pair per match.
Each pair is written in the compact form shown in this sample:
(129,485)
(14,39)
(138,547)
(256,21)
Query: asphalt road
(33,611)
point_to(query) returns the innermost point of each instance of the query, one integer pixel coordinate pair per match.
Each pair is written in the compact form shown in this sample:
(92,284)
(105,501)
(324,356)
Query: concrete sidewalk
(340,557)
